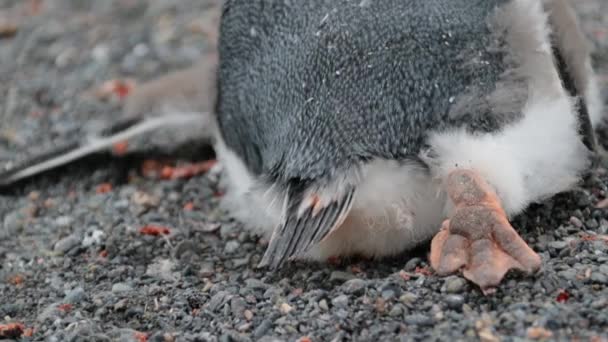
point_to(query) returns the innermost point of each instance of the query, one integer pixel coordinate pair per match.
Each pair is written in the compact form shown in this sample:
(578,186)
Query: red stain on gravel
(163,170)
(187,171)
(405,275)
(423,270)
(103,188)
(189,206)
(16,280)
(120,148)
(155,230)
(140,337)
(11,330)
(562,296)
(65,307)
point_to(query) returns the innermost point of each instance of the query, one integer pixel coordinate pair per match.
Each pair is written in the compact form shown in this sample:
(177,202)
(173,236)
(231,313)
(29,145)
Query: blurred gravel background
(74,265)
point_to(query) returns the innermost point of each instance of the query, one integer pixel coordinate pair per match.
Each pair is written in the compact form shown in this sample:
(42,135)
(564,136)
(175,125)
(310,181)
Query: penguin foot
(478,238)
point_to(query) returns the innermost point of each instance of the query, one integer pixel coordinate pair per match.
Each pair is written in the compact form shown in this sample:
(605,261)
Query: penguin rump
(367,128)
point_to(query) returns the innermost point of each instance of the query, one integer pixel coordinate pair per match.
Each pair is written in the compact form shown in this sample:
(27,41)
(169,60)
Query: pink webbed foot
(478,238)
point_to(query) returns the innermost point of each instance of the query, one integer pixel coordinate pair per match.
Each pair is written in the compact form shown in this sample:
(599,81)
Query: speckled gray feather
(310,88)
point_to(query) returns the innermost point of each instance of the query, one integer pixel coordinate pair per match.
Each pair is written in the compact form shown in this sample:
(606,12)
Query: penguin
(370,127)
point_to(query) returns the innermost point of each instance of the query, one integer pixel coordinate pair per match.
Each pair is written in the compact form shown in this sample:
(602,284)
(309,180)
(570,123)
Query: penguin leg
(478,237)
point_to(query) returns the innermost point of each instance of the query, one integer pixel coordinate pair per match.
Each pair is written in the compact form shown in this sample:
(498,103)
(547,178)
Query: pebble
(340,301)
(256,284)
(67,243)
(396,311)
(559,245)
(575,221)
(418,319)
(64,221)
(232,246)
(354,286)
(262,328)
(340,276)
(285,308)
(75,296)
(412,264)
(599,278)
(323,305)
(454,301)
(455,284)
(121,288)
(408,298)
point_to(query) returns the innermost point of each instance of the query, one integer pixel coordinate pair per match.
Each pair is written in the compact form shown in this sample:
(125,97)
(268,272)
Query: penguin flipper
(308,220)
(120,131)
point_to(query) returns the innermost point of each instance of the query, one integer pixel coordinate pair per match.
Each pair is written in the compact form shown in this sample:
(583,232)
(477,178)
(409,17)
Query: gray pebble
(408,298)
(323,305)
(411,264)
(559,245)
(339,276)
(396,311)
(75,296)
(256,284)
(121,288)
(340,301)
(67,243)
(599,278)
(64,221)
(455,284)
(419,319)
(232,246)
(262,328)
(354,286)
(454,301)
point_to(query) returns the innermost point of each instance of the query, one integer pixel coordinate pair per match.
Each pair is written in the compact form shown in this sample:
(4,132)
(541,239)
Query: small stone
(145,200)
(121,305)
(323,305)
(592,224)
(354,286)
(218,300)
(408,298)
(539,333)
(64,221)
(340,277)
(455,284)
(262,328)
(67,243)
(599,278)
(285,308)
(232,246)
(419,319)
(75,296)
(454,301)
(340,301)
(95,238)
(388,294)
(256,284)
(575,221)
(411,264)
(396,311)
(121,288)
(559,245)
(248,315)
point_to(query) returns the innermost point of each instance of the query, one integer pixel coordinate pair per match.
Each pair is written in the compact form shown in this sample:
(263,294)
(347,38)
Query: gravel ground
(76,266)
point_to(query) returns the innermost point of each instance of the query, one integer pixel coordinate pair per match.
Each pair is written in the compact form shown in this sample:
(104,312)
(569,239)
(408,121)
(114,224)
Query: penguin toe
(478,239)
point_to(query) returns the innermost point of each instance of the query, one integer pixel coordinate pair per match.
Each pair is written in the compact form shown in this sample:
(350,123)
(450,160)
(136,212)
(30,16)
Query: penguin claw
(478,239)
